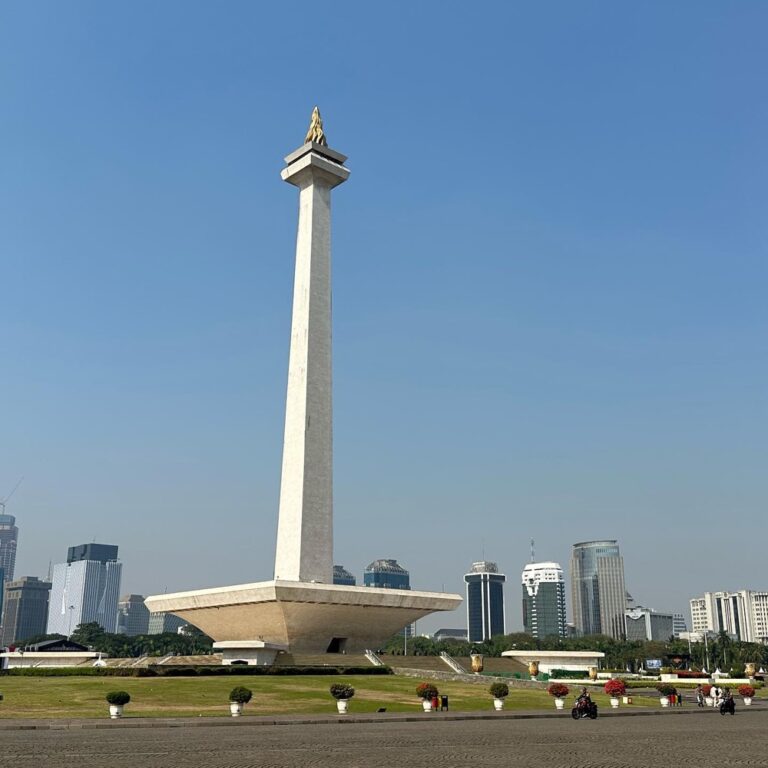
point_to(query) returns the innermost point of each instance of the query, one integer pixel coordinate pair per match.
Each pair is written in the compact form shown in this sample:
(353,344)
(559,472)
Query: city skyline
(568,334)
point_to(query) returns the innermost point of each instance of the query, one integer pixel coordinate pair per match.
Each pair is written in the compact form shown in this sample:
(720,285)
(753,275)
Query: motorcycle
(584,709)
(728,705)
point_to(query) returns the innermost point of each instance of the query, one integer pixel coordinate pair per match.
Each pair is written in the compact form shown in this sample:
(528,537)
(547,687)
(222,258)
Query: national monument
(301,609)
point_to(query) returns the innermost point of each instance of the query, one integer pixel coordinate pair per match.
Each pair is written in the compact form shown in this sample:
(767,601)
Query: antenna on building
(533,551)
(4,501)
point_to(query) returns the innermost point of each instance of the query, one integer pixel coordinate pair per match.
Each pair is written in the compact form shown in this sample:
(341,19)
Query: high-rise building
(742,614)
(597,589)
(132,616)
(485,601)
(544,600)
(85,590)
(9,536)
(26,609)
(2,597)
(164,622)
(387,574)
(678,624)
(342,576)
(645,624)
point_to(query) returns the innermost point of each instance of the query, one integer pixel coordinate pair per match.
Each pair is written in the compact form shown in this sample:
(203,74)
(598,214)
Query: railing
(452,663)
(373,658)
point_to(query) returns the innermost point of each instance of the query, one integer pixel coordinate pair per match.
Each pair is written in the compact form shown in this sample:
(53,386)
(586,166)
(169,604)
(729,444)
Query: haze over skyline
(549,286)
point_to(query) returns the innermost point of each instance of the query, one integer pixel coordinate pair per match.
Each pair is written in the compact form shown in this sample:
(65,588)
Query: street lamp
(69,633)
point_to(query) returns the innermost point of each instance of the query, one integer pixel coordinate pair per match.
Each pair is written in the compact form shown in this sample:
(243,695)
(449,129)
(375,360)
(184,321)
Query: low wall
(431,674)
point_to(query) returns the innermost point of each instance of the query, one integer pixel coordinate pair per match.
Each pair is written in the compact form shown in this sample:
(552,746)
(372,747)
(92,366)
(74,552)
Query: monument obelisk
(305,522)
(301,609)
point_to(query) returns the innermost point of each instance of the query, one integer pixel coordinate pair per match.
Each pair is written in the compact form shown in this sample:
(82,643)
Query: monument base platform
(252,652)
(305,618)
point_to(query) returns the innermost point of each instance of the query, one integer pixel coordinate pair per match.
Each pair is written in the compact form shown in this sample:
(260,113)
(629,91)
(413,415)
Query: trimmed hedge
(568,674)
(198,671)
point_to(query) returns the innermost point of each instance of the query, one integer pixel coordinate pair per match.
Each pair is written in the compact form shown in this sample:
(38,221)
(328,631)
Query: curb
(259,720)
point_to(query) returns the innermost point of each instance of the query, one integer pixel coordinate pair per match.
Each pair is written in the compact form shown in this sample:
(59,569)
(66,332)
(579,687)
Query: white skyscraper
(85,590)
(544,600)
(743,614)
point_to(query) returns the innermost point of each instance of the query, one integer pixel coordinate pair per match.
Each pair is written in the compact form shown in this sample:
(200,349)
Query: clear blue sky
(549,289)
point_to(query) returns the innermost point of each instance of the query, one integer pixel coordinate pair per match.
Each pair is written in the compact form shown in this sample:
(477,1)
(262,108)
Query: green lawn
(306,694)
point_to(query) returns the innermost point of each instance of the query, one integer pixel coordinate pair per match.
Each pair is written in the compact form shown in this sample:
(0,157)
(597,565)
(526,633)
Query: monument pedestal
(306,618)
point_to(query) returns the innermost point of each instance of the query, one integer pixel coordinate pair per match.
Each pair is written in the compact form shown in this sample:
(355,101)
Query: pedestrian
(679,699)
(699,695)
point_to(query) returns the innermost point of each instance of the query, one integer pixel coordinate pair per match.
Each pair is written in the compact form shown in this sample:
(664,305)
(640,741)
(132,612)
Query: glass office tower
(597,589)
(485,601)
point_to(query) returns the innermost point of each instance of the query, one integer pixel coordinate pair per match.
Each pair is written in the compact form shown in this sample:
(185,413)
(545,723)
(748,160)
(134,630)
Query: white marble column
(305,524)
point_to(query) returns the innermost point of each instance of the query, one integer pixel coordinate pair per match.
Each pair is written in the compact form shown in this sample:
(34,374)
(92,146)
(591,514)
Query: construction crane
(4,501)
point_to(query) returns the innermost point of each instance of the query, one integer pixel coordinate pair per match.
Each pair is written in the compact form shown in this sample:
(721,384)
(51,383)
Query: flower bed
(558,690)
(747,691)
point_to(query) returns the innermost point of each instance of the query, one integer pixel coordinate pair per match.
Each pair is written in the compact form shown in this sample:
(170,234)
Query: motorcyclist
(584,699)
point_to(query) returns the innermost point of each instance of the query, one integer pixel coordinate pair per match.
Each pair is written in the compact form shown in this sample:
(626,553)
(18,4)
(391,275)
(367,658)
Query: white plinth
(548,660)
(255,653)
(308,618)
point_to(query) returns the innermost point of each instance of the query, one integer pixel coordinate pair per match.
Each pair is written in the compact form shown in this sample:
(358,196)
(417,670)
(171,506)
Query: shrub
(665,689)
(559,690)
(342,691)
(118,698)
(615,688)
(426,691)
(747,691)
(240,695)
(499,690)
(706,689)
(568,674)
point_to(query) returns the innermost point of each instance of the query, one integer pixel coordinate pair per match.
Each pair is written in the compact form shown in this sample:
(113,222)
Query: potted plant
(615,688)
(706,689)
(747,692)
(427,692)
(559,691)
(499,691)
(237,697)
(117,700)
(666,690)
(342,693)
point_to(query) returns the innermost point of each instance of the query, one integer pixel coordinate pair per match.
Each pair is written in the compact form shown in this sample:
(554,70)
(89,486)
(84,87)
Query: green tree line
(92,635)
(722,652)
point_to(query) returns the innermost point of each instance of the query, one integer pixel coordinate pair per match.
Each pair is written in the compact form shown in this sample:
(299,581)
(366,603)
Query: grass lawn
(70,697)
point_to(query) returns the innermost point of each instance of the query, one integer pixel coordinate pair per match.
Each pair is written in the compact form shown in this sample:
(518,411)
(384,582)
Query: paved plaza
(701,739)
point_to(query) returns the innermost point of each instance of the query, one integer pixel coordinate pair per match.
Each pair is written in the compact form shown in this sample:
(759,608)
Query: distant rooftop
(484,566)
(102,553)
(387,566)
